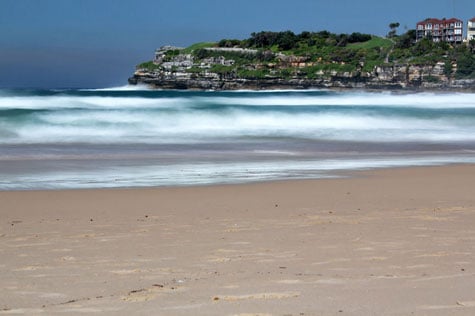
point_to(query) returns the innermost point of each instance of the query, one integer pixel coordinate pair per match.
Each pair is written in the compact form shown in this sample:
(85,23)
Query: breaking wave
(186,117)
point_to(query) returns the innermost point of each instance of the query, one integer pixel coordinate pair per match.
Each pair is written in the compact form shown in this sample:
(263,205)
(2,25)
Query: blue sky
(96,43)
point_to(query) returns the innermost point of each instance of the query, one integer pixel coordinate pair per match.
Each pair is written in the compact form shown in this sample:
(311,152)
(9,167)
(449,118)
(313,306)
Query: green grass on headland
(148,65)
(375,42)
(197,46)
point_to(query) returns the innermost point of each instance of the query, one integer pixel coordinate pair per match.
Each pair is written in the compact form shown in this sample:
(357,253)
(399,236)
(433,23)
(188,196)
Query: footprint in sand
(252,314)
(257,296)
(31,268)
(126,272)
(141,295)
(457,305)
(290,281)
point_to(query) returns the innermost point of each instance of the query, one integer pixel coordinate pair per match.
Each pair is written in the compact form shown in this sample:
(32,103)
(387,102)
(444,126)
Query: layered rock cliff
(173,68)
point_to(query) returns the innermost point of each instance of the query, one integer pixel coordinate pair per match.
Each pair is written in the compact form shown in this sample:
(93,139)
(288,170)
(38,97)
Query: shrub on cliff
(229,43)
(148,65)
(358,37)
(465,65)
(406,40)
(284,40)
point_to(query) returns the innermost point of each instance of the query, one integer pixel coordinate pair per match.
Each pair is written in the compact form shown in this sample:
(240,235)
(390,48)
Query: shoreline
(387,242)
(330,174)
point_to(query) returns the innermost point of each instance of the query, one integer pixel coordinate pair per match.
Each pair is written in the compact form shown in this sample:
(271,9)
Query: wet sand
(388,242)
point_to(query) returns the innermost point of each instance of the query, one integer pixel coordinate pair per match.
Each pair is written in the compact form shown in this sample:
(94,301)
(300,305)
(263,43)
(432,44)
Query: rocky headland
(360,65)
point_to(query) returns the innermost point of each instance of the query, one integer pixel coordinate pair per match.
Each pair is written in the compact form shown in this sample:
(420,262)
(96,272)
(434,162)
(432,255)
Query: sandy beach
(387,242)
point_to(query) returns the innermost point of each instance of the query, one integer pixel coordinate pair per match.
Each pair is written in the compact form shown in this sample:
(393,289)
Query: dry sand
(390,242)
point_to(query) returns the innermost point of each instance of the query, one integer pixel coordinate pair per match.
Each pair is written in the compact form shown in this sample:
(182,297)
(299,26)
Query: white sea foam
(86,102)
(421,100)
(200,174)
(192,118)
(192,126)
(138,87)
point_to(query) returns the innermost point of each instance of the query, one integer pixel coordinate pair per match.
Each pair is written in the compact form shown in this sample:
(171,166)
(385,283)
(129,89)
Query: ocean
(134,137)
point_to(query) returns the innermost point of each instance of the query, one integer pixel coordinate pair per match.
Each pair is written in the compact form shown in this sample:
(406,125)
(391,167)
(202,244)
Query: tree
(263,39)
(357,37)
(305,35)
(471,45)
(466,65)
(406,40)
(448,68)
(393,26)
(423,47)
(342,40)
(286,40)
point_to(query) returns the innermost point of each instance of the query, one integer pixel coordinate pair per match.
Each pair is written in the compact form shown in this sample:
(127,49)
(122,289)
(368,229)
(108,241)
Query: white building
(445,30)
(471,29)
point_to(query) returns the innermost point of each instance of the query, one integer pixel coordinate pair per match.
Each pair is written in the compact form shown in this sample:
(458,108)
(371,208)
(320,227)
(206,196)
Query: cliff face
(183,71)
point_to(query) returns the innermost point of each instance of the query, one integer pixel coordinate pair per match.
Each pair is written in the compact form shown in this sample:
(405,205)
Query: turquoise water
(124,137)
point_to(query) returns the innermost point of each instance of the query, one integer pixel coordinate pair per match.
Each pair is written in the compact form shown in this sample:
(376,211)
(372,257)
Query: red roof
(437,21)
(453,20)
(429,20)
(472,19)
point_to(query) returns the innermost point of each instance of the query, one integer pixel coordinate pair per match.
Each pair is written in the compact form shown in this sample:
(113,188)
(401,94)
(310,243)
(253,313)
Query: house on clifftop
(445,30)
(471,29)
